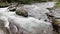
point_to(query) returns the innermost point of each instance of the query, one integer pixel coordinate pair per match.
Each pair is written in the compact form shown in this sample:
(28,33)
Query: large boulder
(22,12)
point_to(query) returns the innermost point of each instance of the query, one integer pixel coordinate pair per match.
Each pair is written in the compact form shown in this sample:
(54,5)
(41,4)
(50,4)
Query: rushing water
(30,25)
(56,13)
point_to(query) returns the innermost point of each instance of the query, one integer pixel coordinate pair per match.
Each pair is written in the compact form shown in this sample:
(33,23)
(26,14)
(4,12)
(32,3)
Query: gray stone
(22,12)
(12,8)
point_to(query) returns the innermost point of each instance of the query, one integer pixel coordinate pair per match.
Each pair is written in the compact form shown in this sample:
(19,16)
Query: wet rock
(29,25)
(56,25)
(56,19)
(35,11)
(49,8)
(22,12)
(12,8)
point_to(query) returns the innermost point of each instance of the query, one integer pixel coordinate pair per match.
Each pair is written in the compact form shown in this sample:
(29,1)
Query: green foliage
(57,5)
(40,0)
(25,1)
(59,33)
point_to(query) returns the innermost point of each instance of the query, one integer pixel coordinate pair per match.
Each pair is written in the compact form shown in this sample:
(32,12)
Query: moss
(59,33)
(57,5)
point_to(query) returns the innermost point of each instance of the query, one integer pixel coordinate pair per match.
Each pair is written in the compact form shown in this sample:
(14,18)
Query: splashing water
(30,25)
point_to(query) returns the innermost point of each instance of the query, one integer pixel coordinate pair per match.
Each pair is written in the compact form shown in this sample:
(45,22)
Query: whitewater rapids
(29,25)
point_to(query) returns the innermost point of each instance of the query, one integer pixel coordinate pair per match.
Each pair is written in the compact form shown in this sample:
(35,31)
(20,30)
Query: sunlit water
(30,24)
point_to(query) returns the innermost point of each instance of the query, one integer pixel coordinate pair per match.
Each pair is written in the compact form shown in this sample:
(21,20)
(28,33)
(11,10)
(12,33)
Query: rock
(35,11)
(56,25)
(56,19)
(49,8)
(12,8)
(22,12)
(2,5)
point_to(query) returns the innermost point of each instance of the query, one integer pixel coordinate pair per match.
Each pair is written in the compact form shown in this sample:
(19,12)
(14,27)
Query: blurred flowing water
(31,24)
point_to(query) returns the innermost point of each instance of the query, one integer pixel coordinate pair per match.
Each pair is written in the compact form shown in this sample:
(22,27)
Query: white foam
(30,24)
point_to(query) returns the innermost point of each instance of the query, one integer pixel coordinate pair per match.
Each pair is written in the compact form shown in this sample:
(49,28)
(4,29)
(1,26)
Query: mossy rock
(3,5)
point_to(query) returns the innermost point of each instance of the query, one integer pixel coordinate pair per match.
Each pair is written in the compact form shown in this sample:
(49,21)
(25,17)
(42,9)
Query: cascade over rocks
(25,25)
(33,11)
(55,16)
(37,10)
(56,25)
(34,23)
(56,19)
